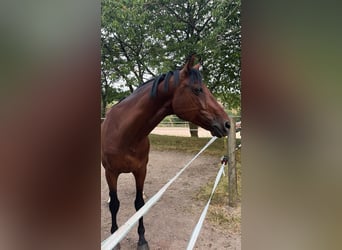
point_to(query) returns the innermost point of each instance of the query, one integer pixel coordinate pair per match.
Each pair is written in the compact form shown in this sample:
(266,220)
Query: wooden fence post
(232,174)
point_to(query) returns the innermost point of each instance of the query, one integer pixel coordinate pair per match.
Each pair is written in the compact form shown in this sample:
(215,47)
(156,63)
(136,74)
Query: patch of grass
(229,219)
(187,144)
(219,212)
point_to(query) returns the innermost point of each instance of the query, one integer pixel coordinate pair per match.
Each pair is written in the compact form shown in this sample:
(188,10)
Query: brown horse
(125,144)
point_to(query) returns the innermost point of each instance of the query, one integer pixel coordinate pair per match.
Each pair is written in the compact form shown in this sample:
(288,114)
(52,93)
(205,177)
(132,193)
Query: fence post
(232,174)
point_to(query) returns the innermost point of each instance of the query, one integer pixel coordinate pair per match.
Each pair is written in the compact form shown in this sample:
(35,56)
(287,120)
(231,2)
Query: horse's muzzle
(220,130)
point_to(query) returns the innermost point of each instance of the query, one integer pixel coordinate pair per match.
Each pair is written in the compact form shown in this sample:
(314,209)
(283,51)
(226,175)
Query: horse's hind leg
(114,203)
(139,202)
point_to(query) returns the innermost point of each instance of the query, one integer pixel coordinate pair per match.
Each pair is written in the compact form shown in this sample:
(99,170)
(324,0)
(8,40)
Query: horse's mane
(195,76)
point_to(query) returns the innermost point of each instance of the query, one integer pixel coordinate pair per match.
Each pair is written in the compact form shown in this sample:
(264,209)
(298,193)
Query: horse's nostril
(227,125)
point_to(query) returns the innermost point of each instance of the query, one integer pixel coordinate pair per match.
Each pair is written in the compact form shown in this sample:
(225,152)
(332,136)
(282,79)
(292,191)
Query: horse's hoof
(117,247)
(143,246)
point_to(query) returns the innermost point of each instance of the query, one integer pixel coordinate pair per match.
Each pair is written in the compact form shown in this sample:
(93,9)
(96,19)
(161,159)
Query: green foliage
(141,38)
(213,30)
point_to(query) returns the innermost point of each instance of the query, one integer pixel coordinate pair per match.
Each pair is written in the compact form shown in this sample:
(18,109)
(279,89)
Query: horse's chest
(124,156)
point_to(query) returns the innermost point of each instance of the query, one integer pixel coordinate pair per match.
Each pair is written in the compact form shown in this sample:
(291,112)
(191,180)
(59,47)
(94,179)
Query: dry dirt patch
(170,222)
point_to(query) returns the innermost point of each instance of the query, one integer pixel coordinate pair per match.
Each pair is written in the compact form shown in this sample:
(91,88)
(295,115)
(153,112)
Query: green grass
(219,213)
(187,144)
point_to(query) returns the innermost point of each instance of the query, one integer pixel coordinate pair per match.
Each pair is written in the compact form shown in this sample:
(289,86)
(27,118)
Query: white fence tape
(119,234)
(198,227)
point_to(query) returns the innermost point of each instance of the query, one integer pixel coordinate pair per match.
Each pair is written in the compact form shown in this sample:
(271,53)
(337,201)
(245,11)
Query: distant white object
(238,124)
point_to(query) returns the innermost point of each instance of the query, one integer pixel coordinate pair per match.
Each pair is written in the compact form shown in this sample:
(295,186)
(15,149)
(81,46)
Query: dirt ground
(170,222)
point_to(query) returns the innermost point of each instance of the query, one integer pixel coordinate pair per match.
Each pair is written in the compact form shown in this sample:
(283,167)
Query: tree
(108,76)
(142,37)
(213,30)
(223,62)
(125,34)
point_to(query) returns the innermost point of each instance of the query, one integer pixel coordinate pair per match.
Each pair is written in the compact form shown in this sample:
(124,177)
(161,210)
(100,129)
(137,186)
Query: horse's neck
(147,112)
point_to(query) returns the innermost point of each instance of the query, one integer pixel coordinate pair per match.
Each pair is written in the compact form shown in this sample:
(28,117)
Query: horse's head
(192,101)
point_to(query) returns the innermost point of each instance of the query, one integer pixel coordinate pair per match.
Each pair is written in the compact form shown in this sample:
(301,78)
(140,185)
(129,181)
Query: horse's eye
(197,91)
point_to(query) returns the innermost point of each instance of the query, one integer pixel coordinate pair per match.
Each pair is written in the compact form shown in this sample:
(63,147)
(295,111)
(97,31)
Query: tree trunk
(103,107)
(232,174)
(193,129)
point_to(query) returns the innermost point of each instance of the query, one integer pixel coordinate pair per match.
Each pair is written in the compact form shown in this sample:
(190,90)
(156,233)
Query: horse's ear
(189,64)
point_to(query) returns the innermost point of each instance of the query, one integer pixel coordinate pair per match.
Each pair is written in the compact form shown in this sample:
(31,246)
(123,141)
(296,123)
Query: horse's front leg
(139,202)
(114,206)
(114,203)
